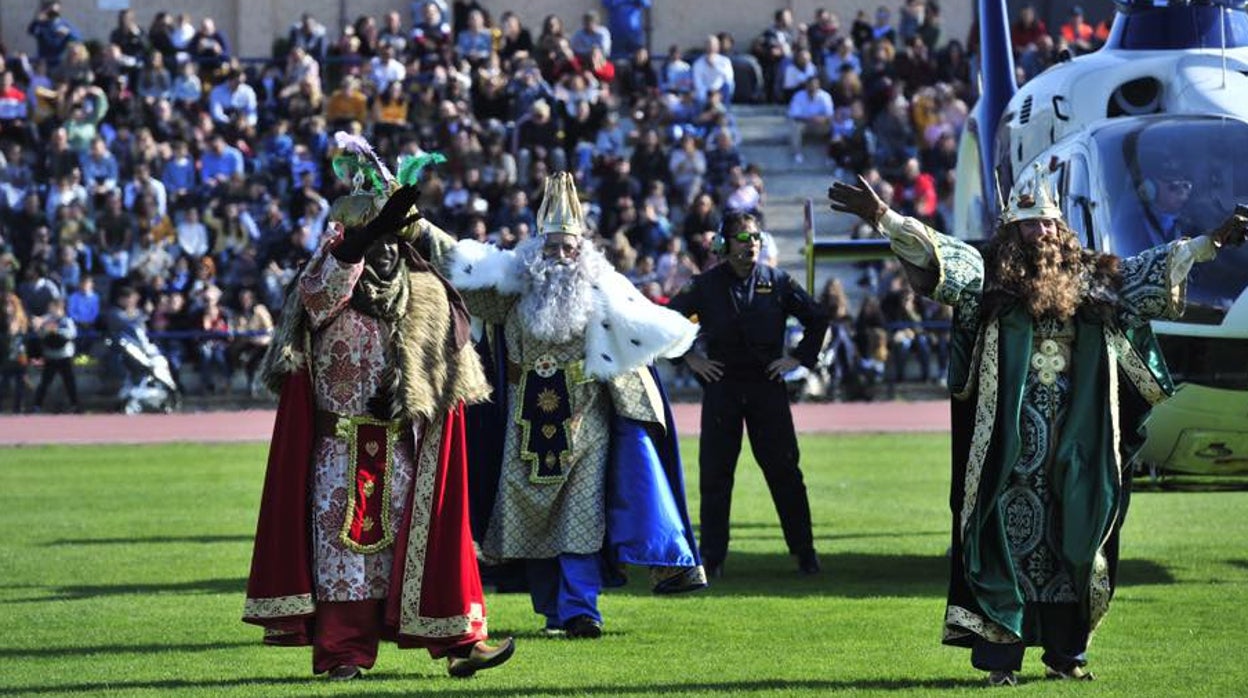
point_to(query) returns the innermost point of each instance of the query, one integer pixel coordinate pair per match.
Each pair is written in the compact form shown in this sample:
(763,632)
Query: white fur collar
(626,330)
(477,266)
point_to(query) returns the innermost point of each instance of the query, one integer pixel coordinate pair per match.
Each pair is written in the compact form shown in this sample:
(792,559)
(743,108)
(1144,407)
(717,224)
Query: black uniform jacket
(743,320)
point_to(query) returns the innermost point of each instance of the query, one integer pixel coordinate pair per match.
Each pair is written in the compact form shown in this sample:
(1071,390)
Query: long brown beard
(1046,276)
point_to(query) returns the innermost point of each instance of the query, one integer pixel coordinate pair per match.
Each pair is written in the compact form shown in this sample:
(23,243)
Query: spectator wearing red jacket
(1027,30)
(915,192)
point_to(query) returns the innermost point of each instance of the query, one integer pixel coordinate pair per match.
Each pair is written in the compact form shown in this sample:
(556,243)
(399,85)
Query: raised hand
(1233,229)
(397,214)
(859,200)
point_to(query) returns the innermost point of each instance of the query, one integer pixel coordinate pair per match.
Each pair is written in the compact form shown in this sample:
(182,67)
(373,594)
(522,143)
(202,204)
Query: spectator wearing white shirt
(181,36)
(713,72)
(810,112)
(677,75)
(192,234)
(591,34)
(144,183)
(234,96)
(384,68)
(797,73)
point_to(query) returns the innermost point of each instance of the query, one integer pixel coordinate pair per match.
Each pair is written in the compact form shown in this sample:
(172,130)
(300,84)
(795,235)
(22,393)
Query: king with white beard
(590,473)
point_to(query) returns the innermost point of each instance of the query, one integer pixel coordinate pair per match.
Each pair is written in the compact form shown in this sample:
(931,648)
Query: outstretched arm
(910,239)
(1155,280)
(485,276)
(939,266)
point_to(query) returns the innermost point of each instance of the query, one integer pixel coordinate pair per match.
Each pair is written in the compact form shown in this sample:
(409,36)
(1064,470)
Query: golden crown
(1032,198)
(561,210)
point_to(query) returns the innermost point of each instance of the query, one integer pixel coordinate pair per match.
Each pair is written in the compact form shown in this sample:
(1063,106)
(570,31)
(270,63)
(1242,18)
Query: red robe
(433,596)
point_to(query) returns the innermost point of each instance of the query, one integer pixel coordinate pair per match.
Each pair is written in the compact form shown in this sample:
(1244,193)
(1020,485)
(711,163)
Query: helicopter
(1161,107)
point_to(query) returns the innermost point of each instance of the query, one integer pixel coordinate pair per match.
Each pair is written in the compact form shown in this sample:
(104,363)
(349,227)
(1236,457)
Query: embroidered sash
(366,526)
(544,415)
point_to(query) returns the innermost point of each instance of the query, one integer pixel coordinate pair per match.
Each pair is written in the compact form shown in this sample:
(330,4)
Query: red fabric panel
(452,580)
(347,633)
(281,563)
(451,558)
(370,473)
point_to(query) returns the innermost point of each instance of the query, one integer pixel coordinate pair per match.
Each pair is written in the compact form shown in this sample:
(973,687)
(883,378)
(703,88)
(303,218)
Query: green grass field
(122,572)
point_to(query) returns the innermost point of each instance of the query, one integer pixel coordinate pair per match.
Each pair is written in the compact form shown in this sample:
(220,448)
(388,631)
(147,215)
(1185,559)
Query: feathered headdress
(371,181)
(356,162)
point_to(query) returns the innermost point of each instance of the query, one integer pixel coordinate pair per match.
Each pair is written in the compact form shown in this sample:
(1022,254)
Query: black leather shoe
(480,657)
(1076,673)
(346,672)
(583,628)
(808,563)
(1002,678)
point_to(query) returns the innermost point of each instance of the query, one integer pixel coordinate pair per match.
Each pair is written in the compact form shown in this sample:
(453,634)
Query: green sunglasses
(747,237)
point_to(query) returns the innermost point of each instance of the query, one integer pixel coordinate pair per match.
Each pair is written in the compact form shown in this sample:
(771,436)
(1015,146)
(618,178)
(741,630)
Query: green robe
(1045,419)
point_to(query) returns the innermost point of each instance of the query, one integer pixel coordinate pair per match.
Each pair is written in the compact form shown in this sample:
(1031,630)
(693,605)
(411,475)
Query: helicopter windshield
(1170,177)
(1143,26)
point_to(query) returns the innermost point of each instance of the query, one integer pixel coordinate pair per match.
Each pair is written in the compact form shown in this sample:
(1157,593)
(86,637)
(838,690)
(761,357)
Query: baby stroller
(802,383)
(149,385)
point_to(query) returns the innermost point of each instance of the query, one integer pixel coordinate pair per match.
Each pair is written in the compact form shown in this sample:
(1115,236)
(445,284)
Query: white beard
(557,298)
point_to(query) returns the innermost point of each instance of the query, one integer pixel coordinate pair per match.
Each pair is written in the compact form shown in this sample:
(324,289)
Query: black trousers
(763,407)
(1063,635)
(57,367)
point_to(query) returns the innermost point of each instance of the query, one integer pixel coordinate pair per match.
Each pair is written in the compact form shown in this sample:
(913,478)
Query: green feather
(410,166)
(348,165)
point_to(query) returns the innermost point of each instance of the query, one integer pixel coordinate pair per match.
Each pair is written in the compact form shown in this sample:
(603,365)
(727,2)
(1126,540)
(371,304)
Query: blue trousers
(1062,634)
(565,587)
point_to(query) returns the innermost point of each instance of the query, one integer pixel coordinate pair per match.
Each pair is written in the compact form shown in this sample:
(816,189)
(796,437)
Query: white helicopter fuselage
(1070,96)
(1084,119)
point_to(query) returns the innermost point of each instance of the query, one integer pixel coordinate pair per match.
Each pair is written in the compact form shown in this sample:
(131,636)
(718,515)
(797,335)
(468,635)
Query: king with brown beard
(1053,367)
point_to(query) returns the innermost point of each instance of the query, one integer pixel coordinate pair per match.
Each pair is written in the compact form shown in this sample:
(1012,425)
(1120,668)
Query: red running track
(256,425)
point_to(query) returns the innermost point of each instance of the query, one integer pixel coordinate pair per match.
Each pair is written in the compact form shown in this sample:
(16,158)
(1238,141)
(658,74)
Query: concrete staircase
(764,141)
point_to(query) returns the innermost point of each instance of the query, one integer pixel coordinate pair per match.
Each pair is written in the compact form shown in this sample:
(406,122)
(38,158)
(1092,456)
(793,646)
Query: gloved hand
(394,216)
(858,200)
(1232,230)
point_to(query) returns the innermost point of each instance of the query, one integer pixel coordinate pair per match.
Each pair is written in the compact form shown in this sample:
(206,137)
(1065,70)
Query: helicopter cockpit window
(1179,177)
(1146,27)
(1076,202)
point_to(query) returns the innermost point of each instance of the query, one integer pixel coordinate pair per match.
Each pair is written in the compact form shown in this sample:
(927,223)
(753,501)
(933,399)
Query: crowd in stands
(161,166)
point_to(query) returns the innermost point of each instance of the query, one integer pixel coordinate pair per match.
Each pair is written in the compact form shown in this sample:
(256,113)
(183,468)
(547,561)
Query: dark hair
(736,221)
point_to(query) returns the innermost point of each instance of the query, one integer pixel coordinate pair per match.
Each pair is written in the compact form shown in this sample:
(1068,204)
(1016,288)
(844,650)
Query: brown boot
(480,656)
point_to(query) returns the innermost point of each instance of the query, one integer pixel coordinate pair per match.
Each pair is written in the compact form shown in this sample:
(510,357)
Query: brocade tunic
(349,353)
(541,517)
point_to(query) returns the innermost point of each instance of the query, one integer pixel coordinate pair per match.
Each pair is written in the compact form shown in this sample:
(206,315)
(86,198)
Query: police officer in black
(741,307)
